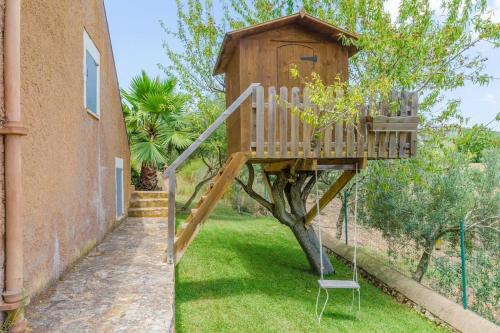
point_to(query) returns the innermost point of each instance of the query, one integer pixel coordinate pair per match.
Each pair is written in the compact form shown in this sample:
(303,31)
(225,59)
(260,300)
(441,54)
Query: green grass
(245,274)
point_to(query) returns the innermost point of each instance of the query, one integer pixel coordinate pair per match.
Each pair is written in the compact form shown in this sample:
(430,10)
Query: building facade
(75,171)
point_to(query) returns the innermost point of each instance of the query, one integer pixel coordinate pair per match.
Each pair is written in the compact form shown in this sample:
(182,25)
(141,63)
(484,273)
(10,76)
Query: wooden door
(299,55)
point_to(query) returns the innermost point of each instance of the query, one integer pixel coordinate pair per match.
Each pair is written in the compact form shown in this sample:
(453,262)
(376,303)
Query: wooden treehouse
(262,128)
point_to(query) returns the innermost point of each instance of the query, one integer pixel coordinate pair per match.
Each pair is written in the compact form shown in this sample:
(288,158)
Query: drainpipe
(13,130)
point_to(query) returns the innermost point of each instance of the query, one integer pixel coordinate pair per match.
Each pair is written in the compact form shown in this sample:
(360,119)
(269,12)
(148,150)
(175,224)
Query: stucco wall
(68,155)
(2,179)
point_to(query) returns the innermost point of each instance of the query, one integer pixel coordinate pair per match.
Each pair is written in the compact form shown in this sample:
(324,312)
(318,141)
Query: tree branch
(308,187)
(248,187)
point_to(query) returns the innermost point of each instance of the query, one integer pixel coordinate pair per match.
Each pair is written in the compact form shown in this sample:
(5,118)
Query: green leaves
(476,140)
(155,120)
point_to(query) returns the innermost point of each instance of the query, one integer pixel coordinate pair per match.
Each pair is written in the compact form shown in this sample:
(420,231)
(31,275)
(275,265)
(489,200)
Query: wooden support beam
(297,164)
(199,215)
(328,196)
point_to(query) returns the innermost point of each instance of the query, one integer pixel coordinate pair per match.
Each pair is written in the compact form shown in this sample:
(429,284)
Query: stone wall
(68,155)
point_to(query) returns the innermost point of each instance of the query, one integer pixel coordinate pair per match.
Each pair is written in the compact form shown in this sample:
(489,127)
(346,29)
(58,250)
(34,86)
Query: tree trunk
(289,192)
(148,179)
(425,259)
(309,243)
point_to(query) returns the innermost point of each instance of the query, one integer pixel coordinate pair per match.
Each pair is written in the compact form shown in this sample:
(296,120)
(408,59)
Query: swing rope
(355,269)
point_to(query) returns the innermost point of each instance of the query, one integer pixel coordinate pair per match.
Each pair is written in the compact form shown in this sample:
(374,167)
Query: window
(91,76)
(119,188)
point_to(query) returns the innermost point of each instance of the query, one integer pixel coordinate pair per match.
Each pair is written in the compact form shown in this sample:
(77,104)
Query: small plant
(340,102)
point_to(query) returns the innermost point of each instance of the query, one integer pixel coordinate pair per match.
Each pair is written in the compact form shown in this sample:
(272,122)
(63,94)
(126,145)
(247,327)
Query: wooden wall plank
(361,132)
(413,135)
(349,141)
(259,119)
(294,135)
(327,137)
(306,136)
(339,133)
(382,146)
(271,122)
(392,135)
(283,122)
(316,138)
(404,113)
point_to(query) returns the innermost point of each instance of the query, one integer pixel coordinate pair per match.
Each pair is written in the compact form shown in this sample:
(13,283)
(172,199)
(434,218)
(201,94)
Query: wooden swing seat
(338,284)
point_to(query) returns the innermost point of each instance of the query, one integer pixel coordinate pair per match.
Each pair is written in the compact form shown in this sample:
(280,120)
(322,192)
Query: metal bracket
(13,128)
(313,58)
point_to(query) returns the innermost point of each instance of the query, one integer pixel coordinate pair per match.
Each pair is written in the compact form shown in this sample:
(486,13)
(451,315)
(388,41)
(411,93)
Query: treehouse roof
(301,18)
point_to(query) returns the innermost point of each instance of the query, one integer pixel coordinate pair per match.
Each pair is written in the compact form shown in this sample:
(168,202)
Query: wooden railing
(277,132)
(169,173)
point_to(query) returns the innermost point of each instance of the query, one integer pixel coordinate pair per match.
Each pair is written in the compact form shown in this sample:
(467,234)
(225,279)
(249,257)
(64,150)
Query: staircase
(148,204)
(189,229)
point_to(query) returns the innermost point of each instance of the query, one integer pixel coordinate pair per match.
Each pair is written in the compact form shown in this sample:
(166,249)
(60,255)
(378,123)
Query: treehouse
(261,127)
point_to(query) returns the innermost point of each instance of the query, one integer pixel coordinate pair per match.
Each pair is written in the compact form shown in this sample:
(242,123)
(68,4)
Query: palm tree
(156,125)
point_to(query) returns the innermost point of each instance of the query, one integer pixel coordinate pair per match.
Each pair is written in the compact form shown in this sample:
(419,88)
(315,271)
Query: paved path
(121,286)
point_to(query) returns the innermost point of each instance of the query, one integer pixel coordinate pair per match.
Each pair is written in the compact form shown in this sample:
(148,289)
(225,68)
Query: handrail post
(462,257)
(171,217)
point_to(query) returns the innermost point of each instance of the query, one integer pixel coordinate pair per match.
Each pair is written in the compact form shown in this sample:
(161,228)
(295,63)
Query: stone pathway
(121,286)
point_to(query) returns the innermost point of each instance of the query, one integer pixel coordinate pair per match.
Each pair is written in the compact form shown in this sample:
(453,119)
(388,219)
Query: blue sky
(137,39)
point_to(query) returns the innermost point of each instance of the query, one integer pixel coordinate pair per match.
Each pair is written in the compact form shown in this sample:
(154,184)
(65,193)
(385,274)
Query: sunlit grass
(245,274)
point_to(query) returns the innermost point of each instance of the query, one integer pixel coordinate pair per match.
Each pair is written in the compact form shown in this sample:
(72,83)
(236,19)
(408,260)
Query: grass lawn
(246,274)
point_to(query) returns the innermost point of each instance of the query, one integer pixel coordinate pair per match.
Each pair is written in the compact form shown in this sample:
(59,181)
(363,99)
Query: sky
(137,39)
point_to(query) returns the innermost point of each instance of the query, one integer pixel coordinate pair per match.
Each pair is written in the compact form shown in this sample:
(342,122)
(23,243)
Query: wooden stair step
(149,195)
(145,203)
(148,212)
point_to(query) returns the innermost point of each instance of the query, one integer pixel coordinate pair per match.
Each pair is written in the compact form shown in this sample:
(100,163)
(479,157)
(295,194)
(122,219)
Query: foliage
(200,37)
(155,120)
(213,150)
(424,199)
(156,126)
(475,140)
(339,102)
(421,50)
(245,274)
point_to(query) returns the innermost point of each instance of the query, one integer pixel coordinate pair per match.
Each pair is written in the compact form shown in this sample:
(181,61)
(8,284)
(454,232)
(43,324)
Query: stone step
(149,195)
(148,212)
(149,203)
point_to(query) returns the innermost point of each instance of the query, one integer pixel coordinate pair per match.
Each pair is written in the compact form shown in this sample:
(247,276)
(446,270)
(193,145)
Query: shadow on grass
(273,271)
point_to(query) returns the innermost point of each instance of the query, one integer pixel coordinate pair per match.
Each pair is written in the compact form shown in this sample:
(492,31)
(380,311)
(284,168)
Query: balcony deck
(387,135)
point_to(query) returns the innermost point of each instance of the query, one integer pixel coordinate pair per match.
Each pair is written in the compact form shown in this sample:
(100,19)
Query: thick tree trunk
(425,259)
(309,243)
(148,179)
(289,192)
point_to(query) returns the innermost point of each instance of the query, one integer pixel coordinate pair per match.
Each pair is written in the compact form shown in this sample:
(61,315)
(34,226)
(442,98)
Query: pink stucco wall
(68,155)
(2,118)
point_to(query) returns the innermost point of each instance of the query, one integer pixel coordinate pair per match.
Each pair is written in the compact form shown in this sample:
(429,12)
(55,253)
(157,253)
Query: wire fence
(455,264)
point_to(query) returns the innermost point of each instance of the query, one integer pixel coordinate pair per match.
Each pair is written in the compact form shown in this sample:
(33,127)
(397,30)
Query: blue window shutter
(91,85)
(119,191)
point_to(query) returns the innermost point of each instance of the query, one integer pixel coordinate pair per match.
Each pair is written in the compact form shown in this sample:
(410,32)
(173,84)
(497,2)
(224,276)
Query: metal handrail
(170,171)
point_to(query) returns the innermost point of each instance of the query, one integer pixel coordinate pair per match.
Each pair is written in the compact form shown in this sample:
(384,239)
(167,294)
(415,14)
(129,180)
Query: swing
(337,284)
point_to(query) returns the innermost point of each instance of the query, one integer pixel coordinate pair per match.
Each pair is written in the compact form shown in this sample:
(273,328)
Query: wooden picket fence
(385,135)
